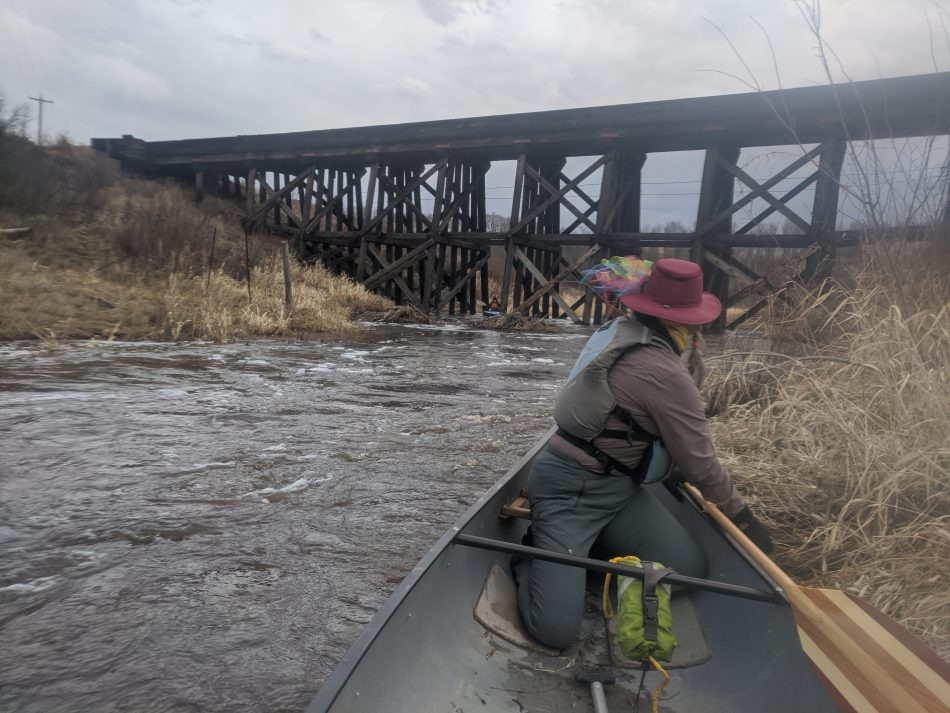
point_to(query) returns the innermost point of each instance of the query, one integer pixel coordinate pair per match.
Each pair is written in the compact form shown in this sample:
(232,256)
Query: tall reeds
(845,449)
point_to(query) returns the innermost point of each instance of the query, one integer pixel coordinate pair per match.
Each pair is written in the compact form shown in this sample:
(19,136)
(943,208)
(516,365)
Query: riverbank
(110,256)
(845,450)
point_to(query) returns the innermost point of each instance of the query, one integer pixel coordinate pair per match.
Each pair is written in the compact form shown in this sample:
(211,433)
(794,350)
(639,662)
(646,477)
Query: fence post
(285,256)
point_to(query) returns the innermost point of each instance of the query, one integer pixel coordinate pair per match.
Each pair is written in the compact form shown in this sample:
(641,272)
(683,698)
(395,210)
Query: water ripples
(207,528)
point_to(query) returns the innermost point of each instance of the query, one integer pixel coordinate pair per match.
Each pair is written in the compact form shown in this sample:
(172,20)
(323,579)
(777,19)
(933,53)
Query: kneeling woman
(629,390)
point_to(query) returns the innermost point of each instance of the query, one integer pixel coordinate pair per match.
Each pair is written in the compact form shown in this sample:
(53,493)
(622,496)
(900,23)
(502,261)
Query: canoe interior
(425,650)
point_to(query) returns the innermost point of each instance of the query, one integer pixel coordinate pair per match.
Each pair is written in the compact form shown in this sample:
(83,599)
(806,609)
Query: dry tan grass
(846,449)
(38,301)
(130,259)
(221,308)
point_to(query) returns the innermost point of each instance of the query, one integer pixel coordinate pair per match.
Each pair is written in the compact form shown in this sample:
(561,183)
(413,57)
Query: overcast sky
(188,68)
(169,69)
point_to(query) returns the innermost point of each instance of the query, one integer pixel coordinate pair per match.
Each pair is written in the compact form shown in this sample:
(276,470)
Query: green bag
(644,619)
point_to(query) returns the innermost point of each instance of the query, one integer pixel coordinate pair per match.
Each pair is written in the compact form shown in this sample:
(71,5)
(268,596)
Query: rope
(630,560)
(655,698)
(656,691)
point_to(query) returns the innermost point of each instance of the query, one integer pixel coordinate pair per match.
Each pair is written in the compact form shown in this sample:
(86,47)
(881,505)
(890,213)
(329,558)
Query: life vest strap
(634,433)
(610,464)
(621,414)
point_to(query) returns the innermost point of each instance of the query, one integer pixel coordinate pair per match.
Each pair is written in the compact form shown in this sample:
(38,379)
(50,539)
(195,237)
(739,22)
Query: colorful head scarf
(618,276)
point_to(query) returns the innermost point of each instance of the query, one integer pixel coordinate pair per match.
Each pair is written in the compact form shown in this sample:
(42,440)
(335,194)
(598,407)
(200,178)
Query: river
(207,527)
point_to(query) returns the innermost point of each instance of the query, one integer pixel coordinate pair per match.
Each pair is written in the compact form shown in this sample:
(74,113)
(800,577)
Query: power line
(870,176)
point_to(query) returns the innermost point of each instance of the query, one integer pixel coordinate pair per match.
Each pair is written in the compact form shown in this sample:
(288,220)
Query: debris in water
(515,322)
(405,314)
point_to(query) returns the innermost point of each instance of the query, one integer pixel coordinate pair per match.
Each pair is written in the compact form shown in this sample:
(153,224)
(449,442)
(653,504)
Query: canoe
(450,639)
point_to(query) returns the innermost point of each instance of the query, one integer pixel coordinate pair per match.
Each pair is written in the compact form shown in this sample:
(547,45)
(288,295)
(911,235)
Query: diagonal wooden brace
(548,285)
(404,193)
(566,203)
(377,278)
(540,208)
(460,199)
(394,276)
(761,188)
(460,284)
(395,189)
(784,199)
(769,281)
(277,198)
(332,200)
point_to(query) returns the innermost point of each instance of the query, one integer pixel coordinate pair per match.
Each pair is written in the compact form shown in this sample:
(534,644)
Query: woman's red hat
(674,292)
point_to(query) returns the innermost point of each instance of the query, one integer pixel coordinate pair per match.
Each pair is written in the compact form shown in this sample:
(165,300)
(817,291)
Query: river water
(207,527)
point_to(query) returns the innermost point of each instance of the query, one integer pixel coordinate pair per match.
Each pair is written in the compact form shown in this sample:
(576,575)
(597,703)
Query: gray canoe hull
(426,651)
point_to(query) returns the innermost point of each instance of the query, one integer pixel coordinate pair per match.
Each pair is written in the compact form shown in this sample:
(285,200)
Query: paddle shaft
(775,572)
(800,602)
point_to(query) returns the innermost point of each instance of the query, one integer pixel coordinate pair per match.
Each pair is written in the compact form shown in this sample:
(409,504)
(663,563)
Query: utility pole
(39,127)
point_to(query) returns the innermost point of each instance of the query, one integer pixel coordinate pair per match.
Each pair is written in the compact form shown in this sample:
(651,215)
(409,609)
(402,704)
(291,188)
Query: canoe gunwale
(731,541)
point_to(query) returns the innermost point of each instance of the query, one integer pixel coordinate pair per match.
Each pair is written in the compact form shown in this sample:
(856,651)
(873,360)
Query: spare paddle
(867,661)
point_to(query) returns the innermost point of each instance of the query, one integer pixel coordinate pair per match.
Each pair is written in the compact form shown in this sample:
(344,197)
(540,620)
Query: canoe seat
(517,508)
(497,611)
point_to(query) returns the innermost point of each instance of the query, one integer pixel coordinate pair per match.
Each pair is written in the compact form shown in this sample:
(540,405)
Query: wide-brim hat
(674,291)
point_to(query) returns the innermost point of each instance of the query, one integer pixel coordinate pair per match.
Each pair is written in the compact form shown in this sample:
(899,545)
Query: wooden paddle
(868,662)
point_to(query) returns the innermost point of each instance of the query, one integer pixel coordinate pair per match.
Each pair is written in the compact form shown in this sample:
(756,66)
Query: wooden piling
(285,259)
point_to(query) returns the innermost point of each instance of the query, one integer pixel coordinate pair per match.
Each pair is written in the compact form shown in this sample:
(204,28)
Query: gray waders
(574,511)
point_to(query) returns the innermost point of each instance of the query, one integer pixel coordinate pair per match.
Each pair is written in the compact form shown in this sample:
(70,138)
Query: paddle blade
(895,672)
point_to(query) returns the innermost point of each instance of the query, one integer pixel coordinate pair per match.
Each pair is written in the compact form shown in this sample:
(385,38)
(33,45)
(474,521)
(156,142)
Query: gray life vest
(586,401)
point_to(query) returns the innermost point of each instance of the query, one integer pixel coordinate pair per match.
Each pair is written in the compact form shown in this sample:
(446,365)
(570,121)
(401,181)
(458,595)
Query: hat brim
(702,313)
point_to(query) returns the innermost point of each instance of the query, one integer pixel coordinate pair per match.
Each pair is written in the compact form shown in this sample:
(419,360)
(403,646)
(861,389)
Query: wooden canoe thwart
(868,662)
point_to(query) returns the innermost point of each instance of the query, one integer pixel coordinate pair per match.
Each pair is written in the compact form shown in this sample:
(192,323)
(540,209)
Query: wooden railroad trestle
(402,208)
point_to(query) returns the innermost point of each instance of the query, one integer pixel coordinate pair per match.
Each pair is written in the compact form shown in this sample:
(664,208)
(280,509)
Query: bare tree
(15,121)
(497,223)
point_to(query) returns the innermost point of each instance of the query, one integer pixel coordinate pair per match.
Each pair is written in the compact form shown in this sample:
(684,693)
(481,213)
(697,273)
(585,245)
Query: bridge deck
(886,108)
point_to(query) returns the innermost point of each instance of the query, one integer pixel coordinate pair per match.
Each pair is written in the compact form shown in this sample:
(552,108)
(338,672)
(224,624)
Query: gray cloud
(196,68)
(441,11)
(265,48)
(318,36)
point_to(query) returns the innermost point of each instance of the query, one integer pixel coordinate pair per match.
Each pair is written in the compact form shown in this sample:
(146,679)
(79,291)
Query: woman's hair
(656,324)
